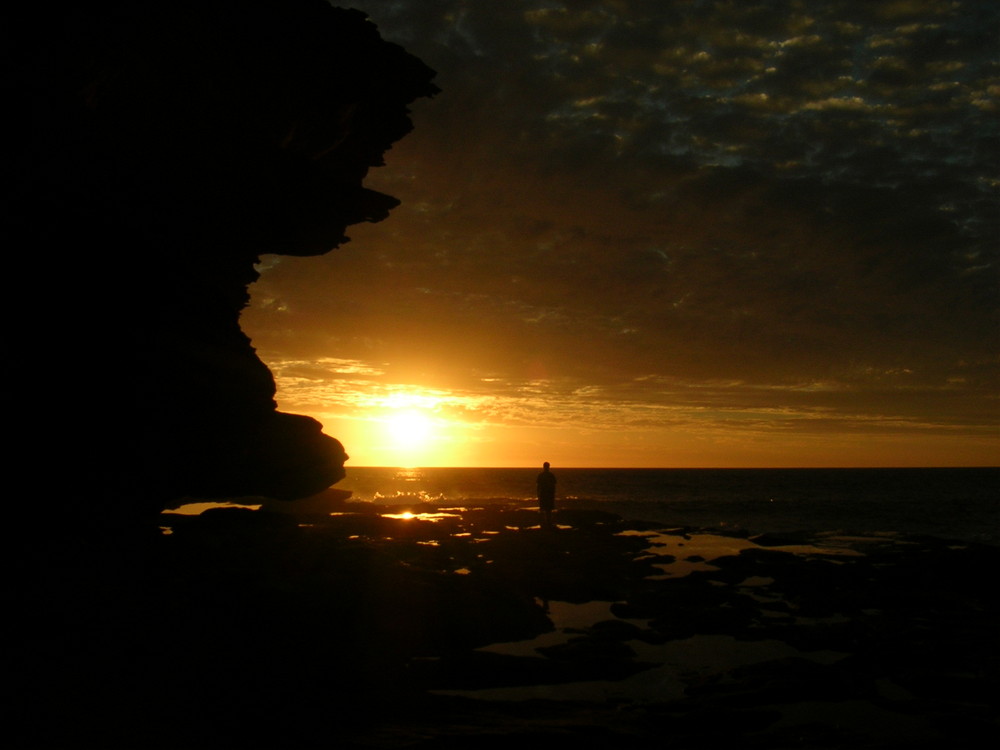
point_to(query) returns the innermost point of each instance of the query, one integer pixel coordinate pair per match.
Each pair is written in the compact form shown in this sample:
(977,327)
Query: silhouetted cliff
(171,144)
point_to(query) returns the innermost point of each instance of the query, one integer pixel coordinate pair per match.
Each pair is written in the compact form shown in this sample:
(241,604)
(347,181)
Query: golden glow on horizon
(607,313)
(411,435)
(409,429)
(520,423)
(406,428)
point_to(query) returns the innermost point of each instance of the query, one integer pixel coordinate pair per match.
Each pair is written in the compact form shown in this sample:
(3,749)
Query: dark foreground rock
(170,145)
(243,629)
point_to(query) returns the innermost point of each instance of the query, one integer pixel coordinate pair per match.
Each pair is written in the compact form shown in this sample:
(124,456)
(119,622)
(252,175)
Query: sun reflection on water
(410,515)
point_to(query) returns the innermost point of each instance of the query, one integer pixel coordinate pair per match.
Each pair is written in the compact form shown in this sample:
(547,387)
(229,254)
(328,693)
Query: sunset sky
(667,233)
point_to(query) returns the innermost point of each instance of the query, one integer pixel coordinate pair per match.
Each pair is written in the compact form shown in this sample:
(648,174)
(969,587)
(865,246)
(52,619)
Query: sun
(409,429)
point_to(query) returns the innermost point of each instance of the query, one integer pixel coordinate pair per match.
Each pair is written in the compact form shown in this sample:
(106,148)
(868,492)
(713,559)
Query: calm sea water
(952,503)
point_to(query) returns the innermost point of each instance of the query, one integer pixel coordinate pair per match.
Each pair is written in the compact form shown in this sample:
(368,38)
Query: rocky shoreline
(376,629)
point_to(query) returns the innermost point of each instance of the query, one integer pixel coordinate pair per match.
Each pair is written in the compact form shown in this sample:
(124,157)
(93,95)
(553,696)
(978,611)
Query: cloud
(780,193)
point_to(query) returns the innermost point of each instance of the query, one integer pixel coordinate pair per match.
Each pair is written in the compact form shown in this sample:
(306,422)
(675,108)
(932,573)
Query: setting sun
(633,288)
(409,373)
(406,428)
(409,429)
(409,438)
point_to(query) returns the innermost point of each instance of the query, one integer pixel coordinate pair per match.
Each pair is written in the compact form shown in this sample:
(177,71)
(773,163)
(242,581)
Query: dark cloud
(774,192)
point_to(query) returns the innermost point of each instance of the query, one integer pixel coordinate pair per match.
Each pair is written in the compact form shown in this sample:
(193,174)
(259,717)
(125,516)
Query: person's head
(545,465)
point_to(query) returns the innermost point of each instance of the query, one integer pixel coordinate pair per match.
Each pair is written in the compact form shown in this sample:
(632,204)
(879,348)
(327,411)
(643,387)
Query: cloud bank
(637,203)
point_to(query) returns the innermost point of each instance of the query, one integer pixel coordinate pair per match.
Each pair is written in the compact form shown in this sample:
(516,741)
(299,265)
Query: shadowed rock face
(171,146)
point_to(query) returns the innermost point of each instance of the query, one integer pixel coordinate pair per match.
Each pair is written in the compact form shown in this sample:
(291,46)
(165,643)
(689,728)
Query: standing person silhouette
(546,482)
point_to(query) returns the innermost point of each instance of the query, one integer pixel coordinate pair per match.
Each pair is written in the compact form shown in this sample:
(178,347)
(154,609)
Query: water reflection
(681,663)
(689,552)
(409,475)
(399,497)
(695,552)
(197,508)
(410,515)
(568,619)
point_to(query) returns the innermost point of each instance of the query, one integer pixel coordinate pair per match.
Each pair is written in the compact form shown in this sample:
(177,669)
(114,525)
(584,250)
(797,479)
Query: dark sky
(655,233)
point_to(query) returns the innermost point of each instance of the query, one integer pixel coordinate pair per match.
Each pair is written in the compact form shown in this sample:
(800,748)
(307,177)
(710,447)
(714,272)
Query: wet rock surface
(377,631)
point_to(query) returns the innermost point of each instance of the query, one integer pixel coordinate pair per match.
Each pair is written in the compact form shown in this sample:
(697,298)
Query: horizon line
(685,468)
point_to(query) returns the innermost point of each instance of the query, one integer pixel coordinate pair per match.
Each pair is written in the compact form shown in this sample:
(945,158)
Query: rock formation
(171,145)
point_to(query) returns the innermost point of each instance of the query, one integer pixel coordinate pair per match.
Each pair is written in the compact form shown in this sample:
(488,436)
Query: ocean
(953,503)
